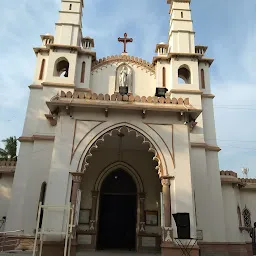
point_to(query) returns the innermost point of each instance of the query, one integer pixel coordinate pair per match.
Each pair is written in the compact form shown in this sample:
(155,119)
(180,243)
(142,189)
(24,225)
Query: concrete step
(12,253)
(115,253)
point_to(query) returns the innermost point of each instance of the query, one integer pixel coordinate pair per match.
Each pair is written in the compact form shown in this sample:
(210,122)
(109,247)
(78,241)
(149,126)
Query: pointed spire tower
(181,33)
(69,25)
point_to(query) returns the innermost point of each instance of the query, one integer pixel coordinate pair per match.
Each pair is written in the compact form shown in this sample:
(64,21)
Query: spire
(69,25)
(181,33)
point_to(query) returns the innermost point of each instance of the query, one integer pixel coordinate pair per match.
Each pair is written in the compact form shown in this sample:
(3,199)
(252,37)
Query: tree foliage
(10,149)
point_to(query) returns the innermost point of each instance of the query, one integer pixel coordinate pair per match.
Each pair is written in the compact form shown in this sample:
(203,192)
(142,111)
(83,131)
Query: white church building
(129,145)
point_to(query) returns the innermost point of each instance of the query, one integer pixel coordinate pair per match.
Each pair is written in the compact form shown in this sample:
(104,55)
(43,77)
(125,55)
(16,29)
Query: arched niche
(124,77)
(184,75)
(61,67)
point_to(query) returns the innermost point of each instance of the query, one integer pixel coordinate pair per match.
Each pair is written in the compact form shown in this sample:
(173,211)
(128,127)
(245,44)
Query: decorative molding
(77,176)
(207,60)
(75,149)
(36,86)
(36,137)
(210,96)
(40,49)
(205,146)
(184,91)
(50,84)
(123,58)
(151,148)
(52,119)
(82,89)
(171,153)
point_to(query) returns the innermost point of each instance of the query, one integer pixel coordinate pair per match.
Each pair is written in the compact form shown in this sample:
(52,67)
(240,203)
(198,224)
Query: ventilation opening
(62,68)
(42,70)
(70,7)
(42,199)
(83,72)
(202,79)
(164,77)
(184,75)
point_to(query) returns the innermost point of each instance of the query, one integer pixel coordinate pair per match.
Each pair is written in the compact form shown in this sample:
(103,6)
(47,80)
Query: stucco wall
(103,80)
(5,195)
(32,169)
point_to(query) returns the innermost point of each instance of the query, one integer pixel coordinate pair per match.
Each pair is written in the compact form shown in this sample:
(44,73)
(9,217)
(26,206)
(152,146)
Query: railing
(8,240)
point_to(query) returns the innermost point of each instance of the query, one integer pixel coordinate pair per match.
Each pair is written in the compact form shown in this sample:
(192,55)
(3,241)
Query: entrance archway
(117,212)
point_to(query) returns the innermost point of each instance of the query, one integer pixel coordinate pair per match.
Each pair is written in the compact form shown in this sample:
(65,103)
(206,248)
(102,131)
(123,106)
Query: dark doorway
(117,212)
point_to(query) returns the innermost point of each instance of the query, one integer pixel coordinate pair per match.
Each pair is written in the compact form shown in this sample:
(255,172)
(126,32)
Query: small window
(70,7)
(182,15)
(164,77)
(239,216)
(83,72)
(247,218)
(41,199)
(202,79)
(42,70)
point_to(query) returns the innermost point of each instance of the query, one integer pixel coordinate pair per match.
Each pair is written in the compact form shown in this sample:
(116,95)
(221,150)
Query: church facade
(130,145)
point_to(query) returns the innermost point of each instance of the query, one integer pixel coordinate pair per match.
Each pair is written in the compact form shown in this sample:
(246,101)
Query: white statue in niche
(124,77)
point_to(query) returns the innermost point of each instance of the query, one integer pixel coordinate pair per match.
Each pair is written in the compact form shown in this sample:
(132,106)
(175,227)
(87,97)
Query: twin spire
(181,33)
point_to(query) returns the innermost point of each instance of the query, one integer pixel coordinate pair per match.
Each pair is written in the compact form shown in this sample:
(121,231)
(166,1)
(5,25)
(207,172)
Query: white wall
(103,80)
(5,195)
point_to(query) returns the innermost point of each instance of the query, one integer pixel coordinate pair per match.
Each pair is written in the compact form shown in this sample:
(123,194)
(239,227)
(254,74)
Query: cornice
(184,91)
(35,86)
(205,146)
(210,96)
(50,84)
(68,24)
(207,60)
(82,89)
(87,52)
(40,49)
(36,138)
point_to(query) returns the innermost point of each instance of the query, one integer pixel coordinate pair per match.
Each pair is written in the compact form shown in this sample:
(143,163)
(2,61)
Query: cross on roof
(125,40)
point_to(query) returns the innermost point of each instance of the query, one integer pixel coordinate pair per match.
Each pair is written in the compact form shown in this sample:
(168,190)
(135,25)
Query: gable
(105,75)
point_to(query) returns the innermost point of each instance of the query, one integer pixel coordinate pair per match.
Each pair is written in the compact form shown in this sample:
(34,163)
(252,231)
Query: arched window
(42,70)
(184,75)
(164,77)
(202,79)
(61,67)
(70,7)
(83,72)
(239,216)
(182,15)
(247,218)
(41,199)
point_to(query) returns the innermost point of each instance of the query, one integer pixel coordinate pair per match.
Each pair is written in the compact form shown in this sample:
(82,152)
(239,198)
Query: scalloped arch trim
(101,139)
(119,58)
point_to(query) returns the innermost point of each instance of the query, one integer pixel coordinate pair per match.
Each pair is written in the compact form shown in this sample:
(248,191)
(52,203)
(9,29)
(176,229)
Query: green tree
(10,149)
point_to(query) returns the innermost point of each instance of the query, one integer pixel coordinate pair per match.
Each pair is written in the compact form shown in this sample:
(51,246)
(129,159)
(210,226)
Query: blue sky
(227,27)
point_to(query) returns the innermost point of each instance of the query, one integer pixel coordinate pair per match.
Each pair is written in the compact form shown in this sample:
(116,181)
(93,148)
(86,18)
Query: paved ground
(88,253)
(115,253)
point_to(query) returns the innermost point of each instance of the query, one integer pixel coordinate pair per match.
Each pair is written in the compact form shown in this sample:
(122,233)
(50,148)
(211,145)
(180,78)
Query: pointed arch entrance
(117,211)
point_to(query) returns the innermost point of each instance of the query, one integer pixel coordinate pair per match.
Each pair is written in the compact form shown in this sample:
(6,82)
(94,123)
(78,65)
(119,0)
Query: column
(142,210)
(76,178)
(167,232)
(95,195)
